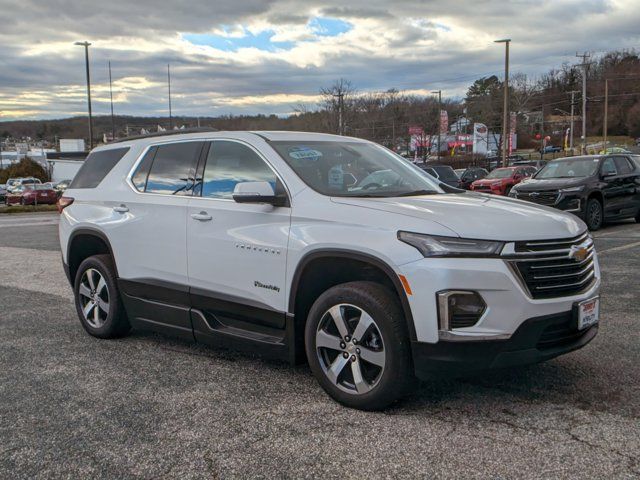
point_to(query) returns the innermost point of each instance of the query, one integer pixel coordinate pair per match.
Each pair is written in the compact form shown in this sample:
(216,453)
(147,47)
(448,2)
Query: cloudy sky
(254,56)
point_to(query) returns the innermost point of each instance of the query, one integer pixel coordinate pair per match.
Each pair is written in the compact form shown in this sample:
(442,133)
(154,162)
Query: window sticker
(336,178)
(304,153)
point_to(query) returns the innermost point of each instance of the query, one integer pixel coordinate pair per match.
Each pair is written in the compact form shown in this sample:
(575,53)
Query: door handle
(201,217)
(121,209)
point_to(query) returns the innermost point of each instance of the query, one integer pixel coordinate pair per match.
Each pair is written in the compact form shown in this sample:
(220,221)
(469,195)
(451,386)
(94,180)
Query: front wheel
(594,215)
(98,300)
(358,347)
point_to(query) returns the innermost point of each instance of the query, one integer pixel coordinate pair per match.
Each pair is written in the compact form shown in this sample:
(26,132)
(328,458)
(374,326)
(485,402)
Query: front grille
(541,198)
(560,334)
(551,268)
(482,188)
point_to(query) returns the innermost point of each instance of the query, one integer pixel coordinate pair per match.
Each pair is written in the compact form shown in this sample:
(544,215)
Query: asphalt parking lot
(147,406)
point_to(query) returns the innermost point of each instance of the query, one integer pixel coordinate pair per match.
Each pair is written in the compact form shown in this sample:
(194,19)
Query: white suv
(334,248)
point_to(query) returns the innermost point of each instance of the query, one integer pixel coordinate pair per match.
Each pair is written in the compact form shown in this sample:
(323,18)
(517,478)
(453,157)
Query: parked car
(501,180)
(594,188)
(31,194)
(17,182)
(537,164)
(277,251)
(470,175)
(550,149)
(443,173)
(60,187)
(611,150)
(459,171)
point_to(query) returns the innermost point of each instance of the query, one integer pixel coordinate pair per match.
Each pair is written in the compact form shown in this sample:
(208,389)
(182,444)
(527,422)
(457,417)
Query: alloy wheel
(595,215)
(94,298)
(350,349)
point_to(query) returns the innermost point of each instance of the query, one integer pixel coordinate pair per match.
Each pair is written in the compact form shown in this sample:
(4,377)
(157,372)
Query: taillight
(63,202)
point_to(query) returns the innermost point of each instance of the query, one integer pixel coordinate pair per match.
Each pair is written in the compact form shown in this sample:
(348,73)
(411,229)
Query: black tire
(396,378)
(22,202)
(115,323)
(594,215)
(507,191)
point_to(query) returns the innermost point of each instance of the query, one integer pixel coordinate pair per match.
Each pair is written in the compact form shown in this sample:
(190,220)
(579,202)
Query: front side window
(350,169)
(609,167)
(173,168)
(229,163)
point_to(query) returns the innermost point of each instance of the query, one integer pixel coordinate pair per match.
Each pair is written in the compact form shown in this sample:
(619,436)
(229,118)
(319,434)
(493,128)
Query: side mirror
(258,192)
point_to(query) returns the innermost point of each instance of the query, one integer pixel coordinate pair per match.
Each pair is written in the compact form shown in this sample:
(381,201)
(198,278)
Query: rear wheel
(357,345)
(98,300)
(594,214)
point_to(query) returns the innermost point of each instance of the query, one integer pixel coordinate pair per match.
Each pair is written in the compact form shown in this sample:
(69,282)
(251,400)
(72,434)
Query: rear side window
(139,178)
(97,166)
(173,168)
(623,166)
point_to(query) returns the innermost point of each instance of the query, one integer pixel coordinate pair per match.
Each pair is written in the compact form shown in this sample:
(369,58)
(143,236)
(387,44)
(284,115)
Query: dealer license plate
(588,312)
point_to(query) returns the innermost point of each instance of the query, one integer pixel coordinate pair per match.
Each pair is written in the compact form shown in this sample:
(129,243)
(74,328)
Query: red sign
(416,130)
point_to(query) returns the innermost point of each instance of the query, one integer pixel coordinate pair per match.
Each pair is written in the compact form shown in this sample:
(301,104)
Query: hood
(479,216)
(534,184)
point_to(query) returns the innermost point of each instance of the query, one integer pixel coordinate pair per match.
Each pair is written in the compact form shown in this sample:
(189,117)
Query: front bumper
(536,339)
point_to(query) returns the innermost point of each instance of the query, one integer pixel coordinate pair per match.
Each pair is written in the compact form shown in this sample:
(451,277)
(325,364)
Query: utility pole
(340,97)
(505,101)
(86,59)
(584,65)
(573,92)
(606,110)
(544,144)
(439,92)
(169,86)
(113,122)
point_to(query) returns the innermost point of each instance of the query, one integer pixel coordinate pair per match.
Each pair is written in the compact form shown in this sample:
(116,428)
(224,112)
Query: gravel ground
(147,406)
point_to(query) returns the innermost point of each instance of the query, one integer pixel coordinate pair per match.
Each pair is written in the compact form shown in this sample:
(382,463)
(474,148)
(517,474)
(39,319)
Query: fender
(363,257)
(95,233)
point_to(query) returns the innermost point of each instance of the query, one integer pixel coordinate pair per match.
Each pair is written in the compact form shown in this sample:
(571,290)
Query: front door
(237,252)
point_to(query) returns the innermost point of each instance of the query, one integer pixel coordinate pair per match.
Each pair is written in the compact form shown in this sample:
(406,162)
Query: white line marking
(622,247)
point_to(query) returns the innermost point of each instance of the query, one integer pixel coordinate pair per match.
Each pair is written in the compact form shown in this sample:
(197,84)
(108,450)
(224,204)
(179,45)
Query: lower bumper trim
(536,340)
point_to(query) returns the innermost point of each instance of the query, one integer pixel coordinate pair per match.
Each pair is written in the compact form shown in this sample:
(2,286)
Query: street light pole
(86,58)
(606,111)
(505,105)
(113,122)
(169,86)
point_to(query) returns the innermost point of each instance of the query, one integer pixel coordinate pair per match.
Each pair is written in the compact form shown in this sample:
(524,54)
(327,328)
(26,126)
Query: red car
(32,194)
(500,180)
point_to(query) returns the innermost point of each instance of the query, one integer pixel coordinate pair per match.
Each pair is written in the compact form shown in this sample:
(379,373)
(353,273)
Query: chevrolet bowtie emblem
(578,253)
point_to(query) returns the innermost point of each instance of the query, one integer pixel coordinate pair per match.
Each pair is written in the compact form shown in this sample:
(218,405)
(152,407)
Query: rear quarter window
(96,167)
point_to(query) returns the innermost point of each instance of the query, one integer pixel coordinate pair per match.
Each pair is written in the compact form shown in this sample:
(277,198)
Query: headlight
(432,246)
(513,193)
(572,189)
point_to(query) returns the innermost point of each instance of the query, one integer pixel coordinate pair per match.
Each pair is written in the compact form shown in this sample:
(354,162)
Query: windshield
(569,167)
(500,173)
(354,169)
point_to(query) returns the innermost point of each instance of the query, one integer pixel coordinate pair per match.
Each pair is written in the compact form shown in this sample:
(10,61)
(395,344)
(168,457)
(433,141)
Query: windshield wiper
(416,193)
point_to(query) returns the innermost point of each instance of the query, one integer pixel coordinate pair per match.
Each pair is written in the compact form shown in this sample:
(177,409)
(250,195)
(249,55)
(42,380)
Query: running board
(235,335)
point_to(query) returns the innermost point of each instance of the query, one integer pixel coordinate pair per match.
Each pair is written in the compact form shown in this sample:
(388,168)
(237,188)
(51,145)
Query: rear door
(149,237)
(612,190)
(628,183)
(237,252)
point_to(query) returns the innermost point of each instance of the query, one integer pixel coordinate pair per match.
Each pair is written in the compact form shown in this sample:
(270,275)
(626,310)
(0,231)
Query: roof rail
(165,133)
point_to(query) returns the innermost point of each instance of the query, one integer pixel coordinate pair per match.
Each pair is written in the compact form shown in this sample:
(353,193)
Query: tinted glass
(97,166)
(622,165)
(446,173)
(339,168)
(500,173)
(229,163)
(139,178)
(173,168)
(569,168)
(609,167)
